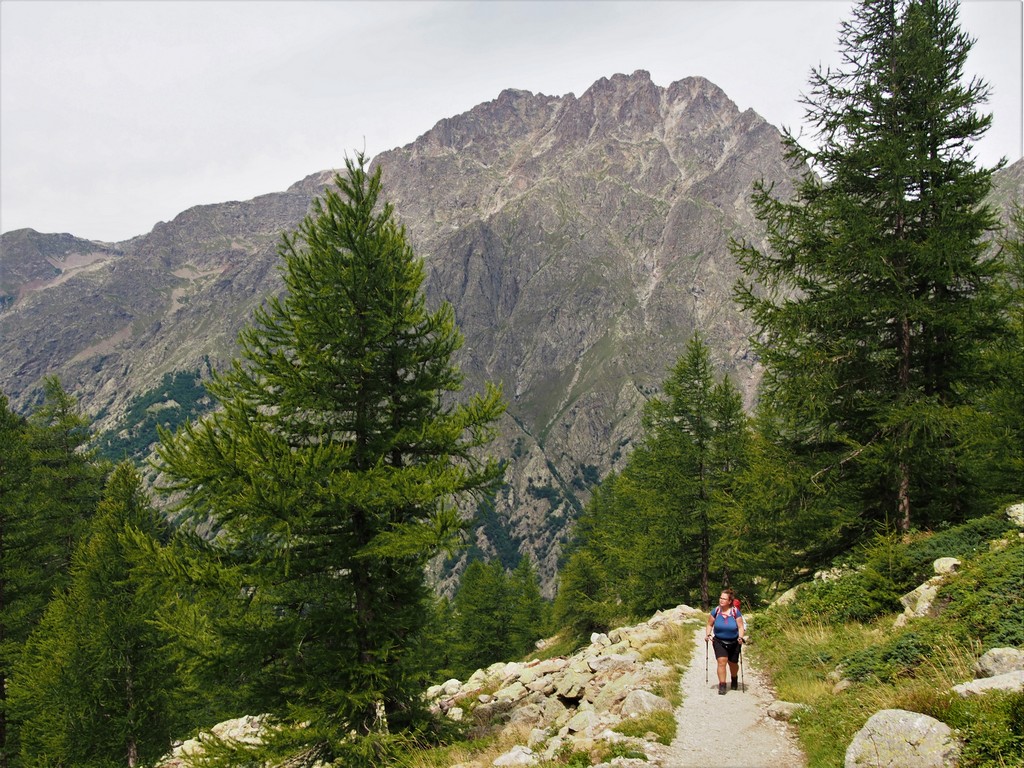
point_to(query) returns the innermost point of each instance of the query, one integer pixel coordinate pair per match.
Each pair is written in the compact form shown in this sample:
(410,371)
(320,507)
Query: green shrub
(962,541)
(985,597)
(992,728)
(899,657)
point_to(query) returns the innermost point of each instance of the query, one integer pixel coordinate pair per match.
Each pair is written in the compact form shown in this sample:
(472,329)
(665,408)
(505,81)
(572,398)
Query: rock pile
(569,703)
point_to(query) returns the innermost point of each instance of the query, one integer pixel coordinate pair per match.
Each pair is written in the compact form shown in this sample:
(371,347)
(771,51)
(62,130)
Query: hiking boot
(735,685)
(721,689)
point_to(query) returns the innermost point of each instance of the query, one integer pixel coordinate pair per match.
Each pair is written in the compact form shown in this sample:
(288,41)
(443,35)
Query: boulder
(945,565)
(999,661)
(581,721)
(518,755)
(1016,514)
(640,702)
(786,597)
(573,684)
(896,738)
(1008,681)
(919,601)
(512,692)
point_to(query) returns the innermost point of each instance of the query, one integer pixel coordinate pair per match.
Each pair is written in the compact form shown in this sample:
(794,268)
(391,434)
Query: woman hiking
(726,628)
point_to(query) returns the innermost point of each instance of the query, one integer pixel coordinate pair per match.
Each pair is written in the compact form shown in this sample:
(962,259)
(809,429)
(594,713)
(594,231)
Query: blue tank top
(726,627)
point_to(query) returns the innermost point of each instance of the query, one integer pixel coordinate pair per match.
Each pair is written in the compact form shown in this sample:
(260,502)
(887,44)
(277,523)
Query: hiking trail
(731,731)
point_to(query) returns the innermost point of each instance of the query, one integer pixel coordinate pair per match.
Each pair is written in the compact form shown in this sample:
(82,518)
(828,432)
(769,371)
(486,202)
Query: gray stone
(786,597)
(581,721)
(1016,514)
(784,710)
(531,715)
(945,565)
(640,702)
(999,661)
(919,602)
(896,738)
(573,684)
(1009,681)
(518,755)
(512,692)
(456,714)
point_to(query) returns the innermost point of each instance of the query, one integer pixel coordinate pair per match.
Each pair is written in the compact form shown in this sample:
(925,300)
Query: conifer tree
(483,615)
(527,624)
(647,538)
(95,685)
(695,440)
(49,487)
(331,474)
(875,291)
(14,475)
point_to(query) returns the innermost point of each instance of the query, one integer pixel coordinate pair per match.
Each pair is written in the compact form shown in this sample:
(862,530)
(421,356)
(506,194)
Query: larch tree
(331,473)
(874,296)
(647,539)
(49,488)
(95,685)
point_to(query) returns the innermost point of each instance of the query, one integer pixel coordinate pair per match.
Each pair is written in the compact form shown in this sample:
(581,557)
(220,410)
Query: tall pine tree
(875,294)
(332,473)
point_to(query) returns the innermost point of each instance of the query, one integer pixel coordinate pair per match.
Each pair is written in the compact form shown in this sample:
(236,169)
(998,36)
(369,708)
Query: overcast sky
(117,115)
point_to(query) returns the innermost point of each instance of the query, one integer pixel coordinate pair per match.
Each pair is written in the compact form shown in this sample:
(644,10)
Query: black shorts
(729,648)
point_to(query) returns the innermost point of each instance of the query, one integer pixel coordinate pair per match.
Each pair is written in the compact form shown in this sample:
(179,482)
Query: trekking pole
(705,660)
(743,684)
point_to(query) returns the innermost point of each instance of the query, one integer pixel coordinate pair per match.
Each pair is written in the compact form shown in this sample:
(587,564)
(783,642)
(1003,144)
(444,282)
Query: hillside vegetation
(834,646)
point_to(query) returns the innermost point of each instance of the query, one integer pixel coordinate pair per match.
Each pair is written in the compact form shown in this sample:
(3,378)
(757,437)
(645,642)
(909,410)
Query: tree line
(341,455)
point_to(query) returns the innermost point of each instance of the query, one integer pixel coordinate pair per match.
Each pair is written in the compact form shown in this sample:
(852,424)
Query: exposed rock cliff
(581,241)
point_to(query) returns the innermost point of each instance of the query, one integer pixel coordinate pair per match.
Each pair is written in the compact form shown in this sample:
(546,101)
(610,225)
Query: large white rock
(895,738)
(1009,681)
(1016,514)
(945,565)
(999,661)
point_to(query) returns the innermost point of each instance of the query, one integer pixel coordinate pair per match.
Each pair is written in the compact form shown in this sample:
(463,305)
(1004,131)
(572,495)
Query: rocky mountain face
(581,241)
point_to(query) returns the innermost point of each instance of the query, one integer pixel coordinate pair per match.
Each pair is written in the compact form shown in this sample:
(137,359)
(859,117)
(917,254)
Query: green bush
(985,597)
(992,728)
(961,541)
(899,657)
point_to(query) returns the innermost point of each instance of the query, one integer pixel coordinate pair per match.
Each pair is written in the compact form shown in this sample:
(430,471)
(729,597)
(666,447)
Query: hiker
(726,629)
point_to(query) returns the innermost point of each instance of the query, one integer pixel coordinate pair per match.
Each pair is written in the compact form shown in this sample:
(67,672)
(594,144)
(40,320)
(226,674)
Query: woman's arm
(742,626)
(710,628)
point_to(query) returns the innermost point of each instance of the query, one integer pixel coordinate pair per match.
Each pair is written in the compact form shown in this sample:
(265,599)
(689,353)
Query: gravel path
(731,731)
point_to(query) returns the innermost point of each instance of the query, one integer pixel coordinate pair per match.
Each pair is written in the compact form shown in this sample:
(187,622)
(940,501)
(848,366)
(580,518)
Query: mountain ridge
(580,240)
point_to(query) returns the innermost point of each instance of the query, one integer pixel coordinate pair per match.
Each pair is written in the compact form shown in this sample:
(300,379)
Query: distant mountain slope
(580,240)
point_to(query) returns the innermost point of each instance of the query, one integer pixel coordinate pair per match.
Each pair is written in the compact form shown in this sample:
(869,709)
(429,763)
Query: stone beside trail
(731,731)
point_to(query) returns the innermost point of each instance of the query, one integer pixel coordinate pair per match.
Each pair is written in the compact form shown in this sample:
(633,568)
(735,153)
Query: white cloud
(114,115)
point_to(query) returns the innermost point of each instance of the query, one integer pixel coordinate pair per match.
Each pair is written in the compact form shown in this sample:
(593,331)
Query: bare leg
(721,669)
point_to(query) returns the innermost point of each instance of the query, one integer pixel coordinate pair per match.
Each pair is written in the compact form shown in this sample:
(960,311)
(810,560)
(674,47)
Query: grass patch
(661,723)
